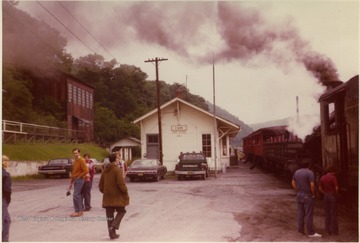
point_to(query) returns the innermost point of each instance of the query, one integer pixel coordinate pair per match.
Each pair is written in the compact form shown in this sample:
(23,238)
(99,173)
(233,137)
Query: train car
(339,112)
(254,143)
(275,149)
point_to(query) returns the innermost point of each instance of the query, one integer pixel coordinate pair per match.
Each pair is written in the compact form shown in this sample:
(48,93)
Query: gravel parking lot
(239,205)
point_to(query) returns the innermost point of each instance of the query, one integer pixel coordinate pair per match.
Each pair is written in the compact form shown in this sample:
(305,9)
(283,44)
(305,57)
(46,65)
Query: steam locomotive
(334,142)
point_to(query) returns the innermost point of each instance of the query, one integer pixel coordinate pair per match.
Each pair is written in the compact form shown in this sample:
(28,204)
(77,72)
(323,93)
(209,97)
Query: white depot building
(186,128)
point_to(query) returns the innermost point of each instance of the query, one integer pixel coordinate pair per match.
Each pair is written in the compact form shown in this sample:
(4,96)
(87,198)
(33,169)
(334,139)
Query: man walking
(79,171)
(115,195)
(303,183)
(330,188)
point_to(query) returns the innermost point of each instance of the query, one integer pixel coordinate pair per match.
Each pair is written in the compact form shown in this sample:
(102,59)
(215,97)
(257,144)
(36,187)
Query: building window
(206,144)
(74,94)
(87,105)
(91,101)
(79,96)
(224,147)
(153,139)
(70,93)
(83,97)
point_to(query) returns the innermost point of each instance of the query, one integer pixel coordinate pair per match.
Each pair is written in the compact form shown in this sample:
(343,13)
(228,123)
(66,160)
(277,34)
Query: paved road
(240,205)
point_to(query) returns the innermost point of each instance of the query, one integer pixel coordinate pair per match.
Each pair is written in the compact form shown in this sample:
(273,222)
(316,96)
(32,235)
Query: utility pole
(215,124)
(157,60)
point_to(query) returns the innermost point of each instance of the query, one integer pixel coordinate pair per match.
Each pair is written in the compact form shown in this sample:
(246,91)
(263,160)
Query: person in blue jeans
(78,174)
(86,189)
(329,187)
(6,198)
(303,183)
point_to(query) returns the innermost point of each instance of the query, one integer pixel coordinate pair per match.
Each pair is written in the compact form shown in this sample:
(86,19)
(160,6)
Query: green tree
(106,125)
(17,98)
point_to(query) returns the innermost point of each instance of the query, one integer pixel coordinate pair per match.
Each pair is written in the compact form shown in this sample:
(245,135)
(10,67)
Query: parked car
(192,164)
(146,168)
(56,167)
(99,165)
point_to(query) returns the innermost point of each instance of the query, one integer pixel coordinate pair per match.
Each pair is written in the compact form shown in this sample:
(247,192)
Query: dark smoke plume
(243,33)
(247,34)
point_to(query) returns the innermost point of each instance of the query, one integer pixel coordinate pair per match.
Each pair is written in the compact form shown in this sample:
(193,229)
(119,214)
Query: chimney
(330,84)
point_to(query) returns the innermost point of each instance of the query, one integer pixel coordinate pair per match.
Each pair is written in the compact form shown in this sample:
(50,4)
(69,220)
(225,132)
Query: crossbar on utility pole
(157,60)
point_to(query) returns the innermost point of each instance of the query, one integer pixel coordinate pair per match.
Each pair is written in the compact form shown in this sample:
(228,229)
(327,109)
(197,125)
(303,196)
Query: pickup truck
(191,165)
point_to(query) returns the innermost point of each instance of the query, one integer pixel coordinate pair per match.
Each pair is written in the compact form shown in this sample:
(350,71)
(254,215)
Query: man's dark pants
(114,222)
(331,224)
(305,213)
(6,220)
(86,194)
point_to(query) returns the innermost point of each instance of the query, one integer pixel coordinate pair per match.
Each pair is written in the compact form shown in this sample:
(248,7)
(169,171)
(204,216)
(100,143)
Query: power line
(65,26)
(85,28)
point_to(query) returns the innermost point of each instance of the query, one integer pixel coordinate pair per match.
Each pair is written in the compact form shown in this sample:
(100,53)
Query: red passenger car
(274,148)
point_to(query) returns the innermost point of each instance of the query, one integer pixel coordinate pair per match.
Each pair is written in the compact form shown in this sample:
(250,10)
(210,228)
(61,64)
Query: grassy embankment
(44,152)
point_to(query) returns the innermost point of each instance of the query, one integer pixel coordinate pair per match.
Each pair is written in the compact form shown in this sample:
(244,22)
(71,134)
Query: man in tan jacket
(79,171)
(115,195)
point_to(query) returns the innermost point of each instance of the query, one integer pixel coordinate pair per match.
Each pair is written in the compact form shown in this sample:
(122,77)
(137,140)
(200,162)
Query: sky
(265,53)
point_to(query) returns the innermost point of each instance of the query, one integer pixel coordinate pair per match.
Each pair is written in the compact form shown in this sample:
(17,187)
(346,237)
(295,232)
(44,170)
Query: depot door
(152,146)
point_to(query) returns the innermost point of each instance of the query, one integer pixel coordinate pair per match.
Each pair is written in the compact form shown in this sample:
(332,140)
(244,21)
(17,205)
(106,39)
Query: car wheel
(204,176)
(179,177)
(157,177)
(47,176)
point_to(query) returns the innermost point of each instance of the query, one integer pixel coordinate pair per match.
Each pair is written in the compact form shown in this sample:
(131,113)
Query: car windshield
(58,162)
(144,162)
(193,157)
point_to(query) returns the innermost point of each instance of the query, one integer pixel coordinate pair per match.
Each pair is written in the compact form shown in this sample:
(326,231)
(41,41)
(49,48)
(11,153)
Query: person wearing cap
(79,171)
(6,198)
(115,195)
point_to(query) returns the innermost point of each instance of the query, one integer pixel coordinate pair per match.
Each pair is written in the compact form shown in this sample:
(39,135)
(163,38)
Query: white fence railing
(13,131)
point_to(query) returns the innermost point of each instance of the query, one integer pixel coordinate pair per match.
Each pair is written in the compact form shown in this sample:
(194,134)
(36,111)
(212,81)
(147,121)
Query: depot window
(206,144)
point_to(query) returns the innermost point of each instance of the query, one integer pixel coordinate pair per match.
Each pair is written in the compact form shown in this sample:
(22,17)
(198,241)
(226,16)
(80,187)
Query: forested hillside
(32,49)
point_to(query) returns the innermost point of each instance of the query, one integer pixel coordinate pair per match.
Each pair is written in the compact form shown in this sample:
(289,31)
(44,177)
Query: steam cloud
(243,31)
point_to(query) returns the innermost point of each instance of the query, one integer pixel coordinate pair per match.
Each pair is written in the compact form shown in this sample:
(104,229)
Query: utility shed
(186,128)
(125,146)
